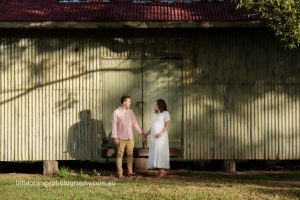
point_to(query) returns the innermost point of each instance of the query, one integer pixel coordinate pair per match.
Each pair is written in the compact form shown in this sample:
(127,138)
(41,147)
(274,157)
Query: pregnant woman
(159,141)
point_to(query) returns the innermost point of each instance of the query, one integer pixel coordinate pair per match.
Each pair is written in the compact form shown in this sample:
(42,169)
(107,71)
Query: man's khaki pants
(128,145)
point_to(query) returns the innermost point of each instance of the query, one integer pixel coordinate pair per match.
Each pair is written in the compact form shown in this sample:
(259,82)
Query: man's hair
(124,97)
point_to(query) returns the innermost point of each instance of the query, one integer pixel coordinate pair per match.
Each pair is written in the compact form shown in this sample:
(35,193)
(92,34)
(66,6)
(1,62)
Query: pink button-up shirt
(123,121)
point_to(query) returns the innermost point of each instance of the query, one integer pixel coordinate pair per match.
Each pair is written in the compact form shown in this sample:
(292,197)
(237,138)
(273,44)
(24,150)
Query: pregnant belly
(157,127)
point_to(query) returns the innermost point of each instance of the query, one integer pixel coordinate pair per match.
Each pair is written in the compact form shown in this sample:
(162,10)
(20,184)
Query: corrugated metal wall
(50,104)
(232,94)
(162,79)
(242,98)
(121,77)
(145,80)
(243,121)
(58,91)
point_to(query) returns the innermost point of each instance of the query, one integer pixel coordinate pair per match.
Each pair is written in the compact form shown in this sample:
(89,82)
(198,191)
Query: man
(123,123)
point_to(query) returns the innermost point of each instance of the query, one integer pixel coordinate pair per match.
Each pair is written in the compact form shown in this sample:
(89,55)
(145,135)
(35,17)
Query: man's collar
(122,108)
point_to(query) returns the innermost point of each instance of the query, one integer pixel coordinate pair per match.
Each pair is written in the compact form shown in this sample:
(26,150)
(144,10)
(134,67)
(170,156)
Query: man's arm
(135,124)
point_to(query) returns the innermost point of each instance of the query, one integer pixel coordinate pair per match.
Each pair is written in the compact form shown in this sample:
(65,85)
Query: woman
(159,145)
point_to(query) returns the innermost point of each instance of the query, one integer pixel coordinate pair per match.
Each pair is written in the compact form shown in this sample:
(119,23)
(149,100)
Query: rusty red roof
(122,10)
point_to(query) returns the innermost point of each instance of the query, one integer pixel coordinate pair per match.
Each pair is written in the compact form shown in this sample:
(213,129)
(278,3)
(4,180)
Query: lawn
(180,184)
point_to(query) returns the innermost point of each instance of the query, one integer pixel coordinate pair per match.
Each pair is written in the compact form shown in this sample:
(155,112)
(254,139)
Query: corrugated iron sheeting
(50,103)
(242,122)
(238,103)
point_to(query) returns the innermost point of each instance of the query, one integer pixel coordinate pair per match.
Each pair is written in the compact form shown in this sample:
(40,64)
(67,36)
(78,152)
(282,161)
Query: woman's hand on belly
(157,136)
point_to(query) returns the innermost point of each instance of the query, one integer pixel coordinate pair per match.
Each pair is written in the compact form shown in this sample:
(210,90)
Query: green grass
(183,185)
(83,175)
(97,173)
(63,172)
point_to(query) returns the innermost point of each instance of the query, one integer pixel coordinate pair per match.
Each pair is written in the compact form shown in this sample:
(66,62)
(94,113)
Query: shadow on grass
(245,176)
(287,192)
(276,184)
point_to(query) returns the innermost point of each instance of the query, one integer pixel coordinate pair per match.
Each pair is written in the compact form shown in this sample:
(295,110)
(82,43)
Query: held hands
(143,135)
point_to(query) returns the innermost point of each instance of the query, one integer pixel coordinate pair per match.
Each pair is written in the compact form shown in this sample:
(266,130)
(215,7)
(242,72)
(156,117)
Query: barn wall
(242,98)
(58,90)
(47,85)
(239,100)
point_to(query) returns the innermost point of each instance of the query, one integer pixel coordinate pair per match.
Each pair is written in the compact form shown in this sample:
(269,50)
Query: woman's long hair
(161,104)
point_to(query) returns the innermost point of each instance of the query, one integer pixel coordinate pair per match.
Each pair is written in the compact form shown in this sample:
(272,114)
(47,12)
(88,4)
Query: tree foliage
(282,16)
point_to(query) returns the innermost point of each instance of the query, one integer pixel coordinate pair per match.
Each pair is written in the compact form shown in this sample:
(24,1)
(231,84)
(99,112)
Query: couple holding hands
(123,123)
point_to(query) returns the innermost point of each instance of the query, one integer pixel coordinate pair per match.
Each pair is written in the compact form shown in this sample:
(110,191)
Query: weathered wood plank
(50,167)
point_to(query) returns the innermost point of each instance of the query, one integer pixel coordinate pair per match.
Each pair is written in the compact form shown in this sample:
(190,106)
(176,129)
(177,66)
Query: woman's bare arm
(165,129)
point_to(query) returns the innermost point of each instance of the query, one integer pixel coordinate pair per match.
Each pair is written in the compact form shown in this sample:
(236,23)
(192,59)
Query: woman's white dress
(159,147)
